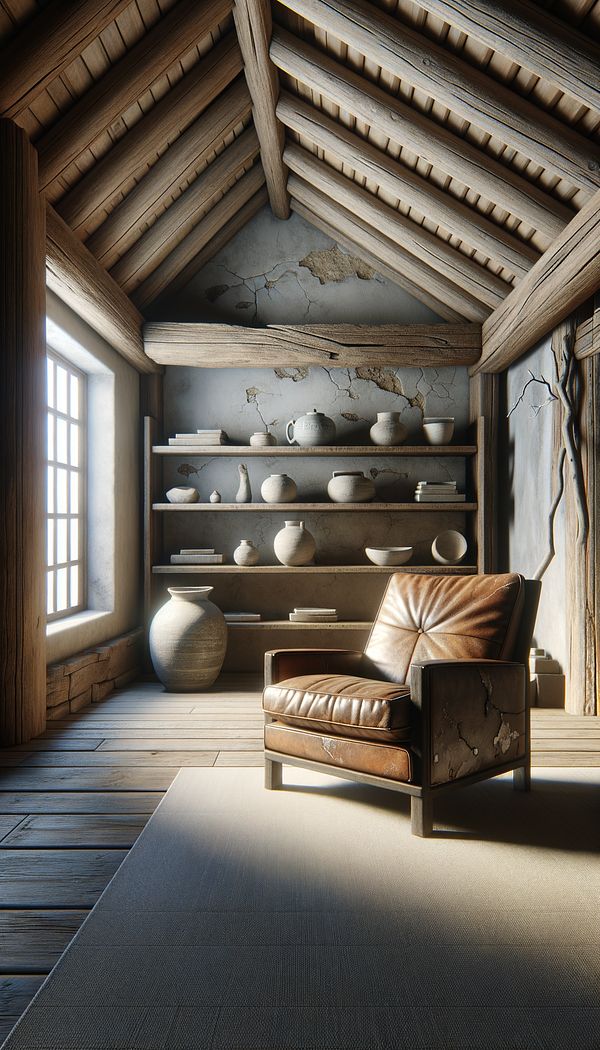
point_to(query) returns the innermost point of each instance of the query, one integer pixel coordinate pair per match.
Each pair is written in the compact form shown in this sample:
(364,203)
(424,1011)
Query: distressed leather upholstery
(382,760)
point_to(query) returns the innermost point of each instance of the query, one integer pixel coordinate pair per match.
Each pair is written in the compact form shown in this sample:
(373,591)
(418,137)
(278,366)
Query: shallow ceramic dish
(389,555)
(183,494)
(438,429)
(449,548)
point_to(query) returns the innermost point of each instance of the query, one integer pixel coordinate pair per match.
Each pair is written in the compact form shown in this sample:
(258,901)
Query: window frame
(81,470)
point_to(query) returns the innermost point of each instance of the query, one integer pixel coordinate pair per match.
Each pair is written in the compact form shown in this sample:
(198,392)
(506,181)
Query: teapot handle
(287,431)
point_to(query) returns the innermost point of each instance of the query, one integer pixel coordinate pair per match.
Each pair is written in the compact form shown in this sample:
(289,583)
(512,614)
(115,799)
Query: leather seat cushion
(342,704)
(363,756)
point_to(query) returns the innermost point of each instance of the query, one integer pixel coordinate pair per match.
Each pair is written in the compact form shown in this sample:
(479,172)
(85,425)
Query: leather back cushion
(444,617)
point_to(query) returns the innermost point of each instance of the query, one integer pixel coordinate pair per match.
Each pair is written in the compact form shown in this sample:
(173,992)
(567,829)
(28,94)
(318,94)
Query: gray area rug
(310,919)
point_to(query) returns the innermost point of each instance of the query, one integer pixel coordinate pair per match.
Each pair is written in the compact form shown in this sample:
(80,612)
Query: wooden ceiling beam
(530,37)
(122,85)
(565,276)
(46,44)
(426,284)
(254,25)
(371,163)
(131,155)
(466,91)
(127,222)
(198,238)
(460,269)
(436,145)
(177,221)
(79,280)
(216,243)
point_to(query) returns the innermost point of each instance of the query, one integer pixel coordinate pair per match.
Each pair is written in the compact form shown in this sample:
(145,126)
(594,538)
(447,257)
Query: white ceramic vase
(294,545)
(388,430)
(262,439)
(188,638)
(278,488)
(246,553)
(350,486)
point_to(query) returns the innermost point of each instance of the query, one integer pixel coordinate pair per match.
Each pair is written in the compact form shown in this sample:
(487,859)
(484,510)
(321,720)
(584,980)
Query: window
(65,502)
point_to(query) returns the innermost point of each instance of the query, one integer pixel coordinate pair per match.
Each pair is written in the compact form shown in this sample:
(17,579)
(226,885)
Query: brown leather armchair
(439,697)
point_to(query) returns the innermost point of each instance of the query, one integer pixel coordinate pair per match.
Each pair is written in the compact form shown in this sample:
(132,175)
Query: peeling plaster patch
(505,737)
(296,374)
(186,469)
(244,305)
(377,472)
(215,292)
(332,265)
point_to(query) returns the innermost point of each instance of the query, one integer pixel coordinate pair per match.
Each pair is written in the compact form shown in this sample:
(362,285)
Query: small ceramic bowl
(438,429)
(389,555)
(183,494)
(449,548)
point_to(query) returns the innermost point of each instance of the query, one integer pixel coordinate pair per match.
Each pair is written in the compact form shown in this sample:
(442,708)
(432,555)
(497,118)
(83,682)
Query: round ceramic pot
(350,486)
(246,553)
(262,438)
(314,428)
(183,494)
(278,488)
(388,430)
(294,545)
(188,637)
(438,430)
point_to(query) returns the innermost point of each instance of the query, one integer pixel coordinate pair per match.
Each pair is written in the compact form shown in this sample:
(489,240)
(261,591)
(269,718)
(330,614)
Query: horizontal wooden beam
(565,276)
(177,221)
(408,127)
(77,278)
(46,44)
(254,25)
(233,226)
(345,345)
(466,91)
(422,275)
(464,272)
(122,85)
(531,38)
(127,222)
(425,197)
(131,155)
(359,240)
(198,238)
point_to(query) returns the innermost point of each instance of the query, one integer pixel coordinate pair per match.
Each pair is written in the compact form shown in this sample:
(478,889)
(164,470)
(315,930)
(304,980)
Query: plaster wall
(113,495)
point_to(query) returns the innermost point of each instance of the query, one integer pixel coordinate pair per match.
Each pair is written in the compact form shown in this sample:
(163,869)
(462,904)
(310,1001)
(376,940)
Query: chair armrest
(471,715)
(288,663)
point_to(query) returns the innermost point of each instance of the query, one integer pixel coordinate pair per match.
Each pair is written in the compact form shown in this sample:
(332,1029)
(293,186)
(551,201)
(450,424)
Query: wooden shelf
(303,508)
(287,625)
(266,452)
(249,570)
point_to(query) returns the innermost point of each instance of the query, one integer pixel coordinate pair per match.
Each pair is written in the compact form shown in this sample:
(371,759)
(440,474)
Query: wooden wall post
(22,427)
(484,404)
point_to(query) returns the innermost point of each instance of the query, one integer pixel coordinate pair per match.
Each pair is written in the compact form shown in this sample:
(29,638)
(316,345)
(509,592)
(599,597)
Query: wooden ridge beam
(233,226)
(565,276)
(77,278)
(254,25)
(453,155)
(177,221)
(200,236)
(464,272)
(46,44)
(466,91)
(372,248)
(122,85)
(345,345)
(132,154)
(376,166)
(530,37)
(127,222)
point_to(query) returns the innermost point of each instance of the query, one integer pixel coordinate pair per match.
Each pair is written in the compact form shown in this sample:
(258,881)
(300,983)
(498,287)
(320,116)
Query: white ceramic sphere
(449,547)
(278,488)
(350,487)
(294,545)
(389,555)
(438,430)
(246,553)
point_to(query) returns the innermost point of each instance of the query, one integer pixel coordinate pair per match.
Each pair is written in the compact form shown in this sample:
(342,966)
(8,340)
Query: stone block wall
(91,676)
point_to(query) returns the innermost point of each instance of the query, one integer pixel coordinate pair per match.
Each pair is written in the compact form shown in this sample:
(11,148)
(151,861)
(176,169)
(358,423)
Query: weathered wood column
(22,419)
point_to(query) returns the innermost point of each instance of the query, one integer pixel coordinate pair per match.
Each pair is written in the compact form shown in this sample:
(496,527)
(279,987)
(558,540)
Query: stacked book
(438,492)
(310,614)
(201,437)
(241,617)
(197,556)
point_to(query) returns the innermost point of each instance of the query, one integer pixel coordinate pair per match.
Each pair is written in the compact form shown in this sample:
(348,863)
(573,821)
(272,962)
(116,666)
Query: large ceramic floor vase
(188,638)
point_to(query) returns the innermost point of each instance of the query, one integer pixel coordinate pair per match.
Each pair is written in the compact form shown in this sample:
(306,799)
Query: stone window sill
(77,620)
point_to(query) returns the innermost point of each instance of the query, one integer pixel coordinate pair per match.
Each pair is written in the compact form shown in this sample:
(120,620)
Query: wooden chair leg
(522,778)
(421,816)
(273,774)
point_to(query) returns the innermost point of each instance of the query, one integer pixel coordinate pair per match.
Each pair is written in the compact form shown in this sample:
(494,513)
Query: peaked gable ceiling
(447,143)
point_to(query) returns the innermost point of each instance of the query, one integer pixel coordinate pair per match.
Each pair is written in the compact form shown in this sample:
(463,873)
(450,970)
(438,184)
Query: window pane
(61,589)
(50,493)
(61,540)
(61,441)
(74,598)
(50,535)
(50,380)
(51,452)
(62,401)
(74,492)
(61,491)
(50,607)
(74,407)
(74,450)
(74,550)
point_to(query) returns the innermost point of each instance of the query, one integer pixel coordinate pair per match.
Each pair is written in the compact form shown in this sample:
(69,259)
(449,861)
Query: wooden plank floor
(73,801)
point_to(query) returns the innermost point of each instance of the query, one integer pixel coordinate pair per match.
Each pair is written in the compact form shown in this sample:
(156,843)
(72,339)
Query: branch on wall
(539,572)
(536,408)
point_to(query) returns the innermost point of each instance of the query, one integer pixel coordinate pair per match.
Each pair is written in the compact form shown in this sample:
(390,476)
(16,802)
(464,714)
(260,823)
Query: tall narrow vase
(188,638)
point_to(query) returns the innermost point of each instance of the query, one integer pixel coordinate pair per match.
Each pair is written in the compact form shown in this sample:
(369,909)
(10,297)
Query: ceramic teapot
(314,428)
